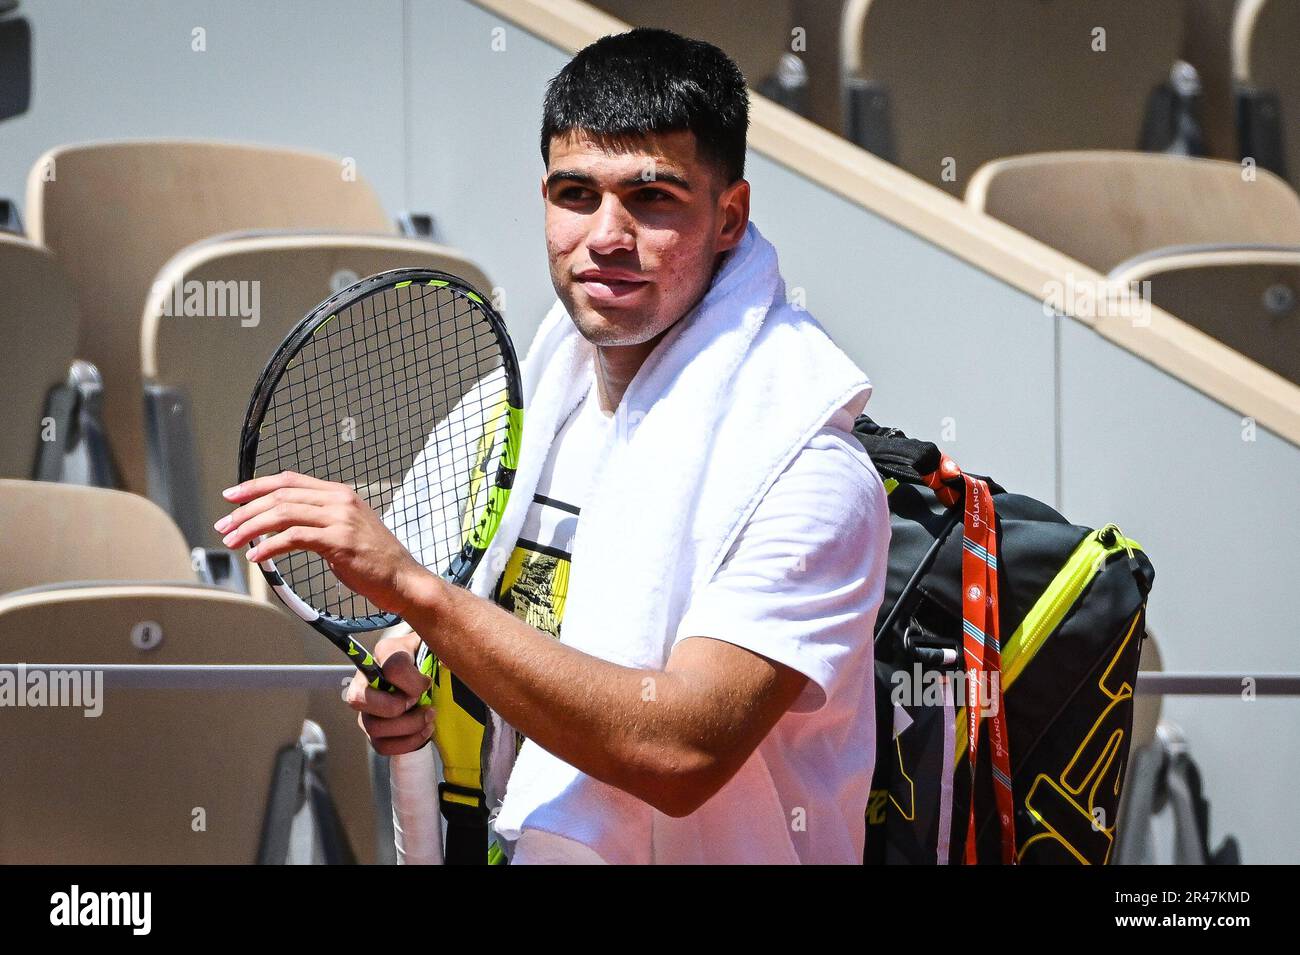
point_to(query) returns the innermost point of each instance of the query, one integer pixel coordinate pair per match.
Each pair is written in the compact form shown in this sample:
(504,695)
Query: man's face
(634,231)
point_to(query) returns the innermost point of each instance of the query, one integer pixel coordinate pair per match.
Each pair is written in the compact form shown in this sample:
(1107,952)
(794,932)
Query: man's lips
(610,284)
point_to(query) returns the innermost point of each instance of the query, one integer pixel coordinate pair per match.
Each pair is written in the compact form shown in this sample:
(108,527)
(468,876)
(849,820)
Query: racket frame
(341,630)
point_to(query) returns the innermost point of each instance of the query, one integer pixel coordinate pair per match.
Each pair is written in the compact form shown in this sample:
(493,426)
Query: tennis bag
(997,594)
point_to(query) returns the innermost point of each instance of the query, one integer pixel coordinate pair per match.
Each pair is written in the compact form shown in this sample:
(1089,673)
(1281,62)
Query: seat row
(941,87)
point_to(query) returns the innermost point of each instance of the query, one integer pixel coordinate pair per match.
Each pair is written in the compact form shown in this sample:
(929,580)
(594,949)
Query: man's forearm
(623,726)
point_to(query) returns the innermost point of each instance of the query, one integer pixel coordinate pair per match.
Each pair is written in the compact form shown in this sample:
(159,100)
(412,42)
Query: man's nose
(611,227)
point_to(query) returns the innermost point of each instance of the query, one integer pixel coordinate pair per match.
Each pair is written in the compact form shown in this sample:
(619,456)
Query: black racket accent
(406,388)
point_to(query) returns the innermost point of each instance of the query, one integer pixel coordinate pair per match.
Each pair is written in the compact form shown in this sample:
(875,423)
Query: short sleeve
(804,580)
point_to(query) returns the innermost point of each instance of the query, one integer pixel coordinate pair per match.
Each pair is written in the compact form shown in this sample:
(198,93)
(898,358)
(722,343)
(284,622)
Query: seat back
(755,40)
(1247,298)
(1105,207)
(974,81)
(1207,45)
(1265,49)
(113,213)
(211,363)
(1146,706)
(50,533)
(141,776)
(39,323)
(293,274)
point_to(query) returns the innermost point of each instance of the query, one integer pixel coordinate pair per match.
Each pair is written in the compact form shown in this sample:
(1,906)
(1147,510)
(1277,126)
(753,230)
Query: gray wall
(441,118)
(325,75)
(1218,513)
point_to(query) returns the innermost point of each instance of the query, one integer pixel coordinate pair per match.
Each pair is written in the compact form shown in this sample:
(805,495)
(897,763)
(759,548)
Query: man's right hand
(394,722)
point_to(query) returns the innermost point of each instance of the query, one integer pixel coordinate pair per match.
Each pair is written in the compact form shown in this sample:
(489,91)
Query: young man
(684,586)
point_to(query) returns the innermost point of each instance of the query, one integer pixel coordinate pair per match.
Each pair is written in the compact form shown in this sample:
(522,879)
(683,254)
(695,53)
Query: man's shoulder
(835,461)
(829,500)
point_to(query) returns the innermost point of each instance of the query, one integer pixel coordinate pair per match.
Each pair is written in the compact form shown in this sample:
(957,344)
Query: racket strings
(400,397)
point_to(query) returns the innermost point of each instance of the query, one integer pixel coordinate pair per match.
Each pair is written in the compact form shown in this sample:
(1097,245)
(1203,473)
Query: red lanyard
(982,645)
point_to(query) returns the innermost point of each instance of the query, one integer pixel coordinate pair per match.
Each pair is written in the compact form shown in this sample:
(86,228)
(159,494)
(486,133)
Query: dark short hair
(630,85)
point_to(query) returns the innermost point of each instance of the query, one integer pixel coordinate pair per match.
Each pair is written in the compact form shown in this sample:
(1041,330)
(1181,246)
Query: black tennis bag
(1071,608)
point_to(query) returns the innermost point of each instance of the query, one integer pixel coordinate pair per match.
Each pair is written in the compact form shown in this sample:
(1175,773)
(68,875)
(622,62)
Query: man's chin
(614,326)
(605,335)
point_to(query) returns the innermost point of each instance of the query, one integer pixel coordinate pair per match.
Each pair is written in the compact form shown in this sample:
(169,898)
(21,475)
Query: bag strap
(895,454)
(982,645)
(923,463)
(912,461)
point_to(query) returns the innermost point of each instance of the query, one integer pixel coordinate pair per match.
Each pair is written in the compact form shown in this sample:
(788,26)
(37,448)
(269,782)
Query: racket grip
(417,822)
(376,679)
(367,665)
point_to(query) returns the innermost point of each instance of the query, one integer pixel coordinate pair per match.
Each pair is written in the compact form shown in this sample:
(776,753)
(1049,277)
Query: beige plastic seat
(822,22)
(159,776)
(981,79)
(1265,49)
(756,40)
(1146,706)
(115,212)
(292,275)
(39,324)
(50,533)
(1247,298)
(1105,207)
(1207,45)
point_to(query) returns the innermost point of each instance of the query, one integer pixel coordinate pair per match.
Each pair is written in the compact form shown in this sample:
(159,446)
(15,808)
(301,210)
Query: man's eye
(573,193)
(656,195)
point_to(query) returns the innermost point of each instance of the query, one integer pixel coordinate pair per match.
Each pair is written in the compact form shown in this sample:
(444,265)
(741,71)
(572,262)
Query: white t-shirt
(801,585)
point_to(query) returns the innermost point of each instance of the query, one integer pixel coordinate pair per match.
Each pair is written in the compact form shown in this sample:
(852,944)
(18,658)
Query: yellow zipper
(1046,615)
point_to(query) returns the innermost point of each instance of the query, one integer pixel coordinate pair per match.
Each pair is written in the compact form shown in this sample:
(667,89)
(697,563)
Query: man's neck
(616,366)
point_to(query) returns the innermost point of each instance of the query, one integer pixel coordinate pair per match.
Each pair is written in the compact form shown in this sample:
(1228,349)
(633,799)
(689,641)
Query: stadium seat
(64,532)
(39,321)
(195,404)
(1207,45)
(1246,297)
(55,533)
(196,408)
(1146,706)
(113,213)
(1265,48)
(159,775)
(1147,709)
(760,41)
(1105,207)
(940,88)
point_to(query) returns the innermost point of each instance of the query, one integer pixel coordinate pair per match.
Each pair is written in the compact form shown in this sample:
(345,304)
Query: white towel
(726,400)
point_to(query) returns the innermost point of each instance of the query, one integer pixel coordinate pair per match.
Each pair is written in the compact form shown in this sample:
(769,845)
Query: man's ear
(734,203)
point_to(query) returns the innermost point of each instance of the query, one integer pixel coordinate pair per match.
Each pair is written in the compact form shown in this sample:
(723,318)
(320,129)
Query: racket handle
(375,677)
(417,822)
(366,664)
(417,817)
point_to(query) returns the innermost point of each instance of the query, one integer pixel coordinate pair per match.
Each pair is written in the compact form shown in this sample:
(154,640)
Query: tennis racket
(404,386)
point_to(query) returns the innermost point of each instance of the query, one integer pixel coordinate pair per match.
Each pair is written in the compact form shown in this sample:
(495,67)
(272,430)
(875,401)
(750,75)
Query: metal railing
(316,677)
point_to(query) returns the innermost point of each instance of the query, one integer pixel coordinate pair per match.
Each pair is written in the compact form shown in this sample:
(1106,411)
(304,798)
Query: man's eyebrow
(573,175)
